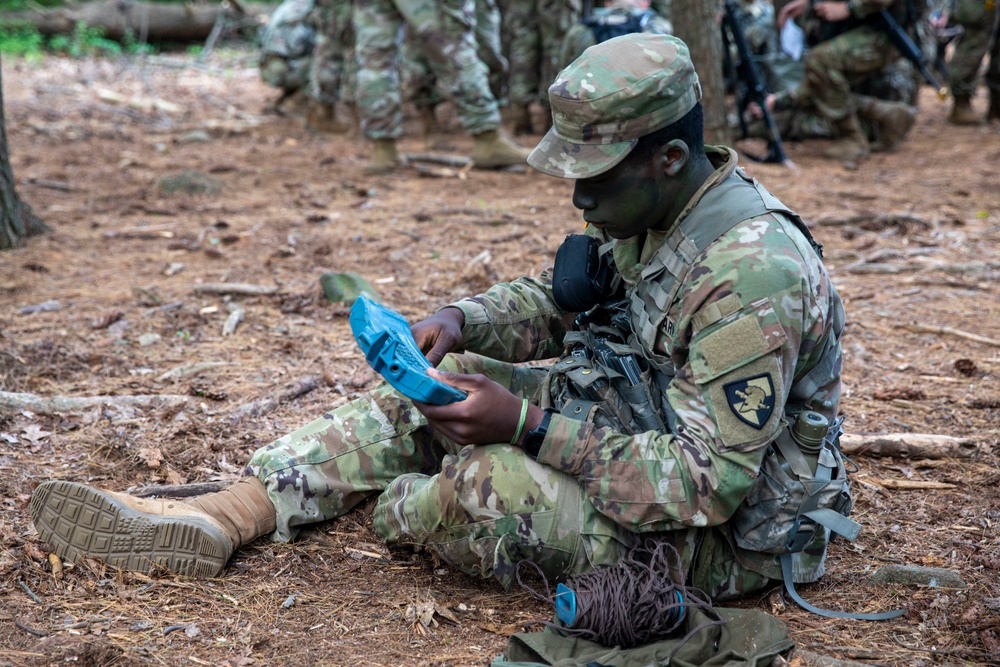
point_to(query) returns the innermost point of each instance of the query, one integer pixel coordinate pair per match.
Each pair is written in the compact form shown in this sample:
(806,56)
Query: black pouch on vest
(581,277)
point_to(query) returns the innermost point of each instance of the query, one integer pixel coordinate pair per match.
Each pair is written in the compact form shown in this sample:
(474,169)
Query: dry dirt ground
(911,239)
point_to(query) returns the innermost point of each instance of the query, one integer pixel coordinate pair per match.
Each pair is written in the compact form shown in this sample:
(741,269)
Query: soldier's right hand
(439,334)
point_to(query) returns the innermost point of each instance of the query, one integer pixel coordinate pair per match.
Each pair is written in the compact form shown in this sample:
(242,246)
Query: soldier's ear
(674,156)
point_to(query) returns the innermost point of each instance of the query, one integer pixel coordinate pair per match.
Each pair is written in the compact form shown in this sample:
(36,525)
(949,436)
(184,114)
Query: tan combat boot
(193,538)
(894,121)
(385,158)
(491,150)
(321,117)
(852,144)
(520,117)
(962,113)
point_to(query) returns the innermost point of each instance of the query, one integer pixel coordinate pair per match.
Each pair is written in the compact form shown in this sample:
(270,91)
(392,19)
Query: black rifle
(907,48)
(753,88)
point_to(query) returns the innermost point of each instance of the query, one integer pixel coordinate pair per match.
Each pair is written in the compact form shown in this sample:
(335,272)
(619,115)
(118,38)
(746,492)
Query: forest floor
(912,239)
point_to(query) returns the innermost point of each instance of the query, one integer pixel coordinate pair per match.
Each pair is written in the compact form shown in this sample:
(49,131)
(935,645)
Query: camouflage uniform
(536,29)
(980,19)
(756,307)
(332,73)
(286,45)
(833,65)
(418,78)
(581,37)
(444,31)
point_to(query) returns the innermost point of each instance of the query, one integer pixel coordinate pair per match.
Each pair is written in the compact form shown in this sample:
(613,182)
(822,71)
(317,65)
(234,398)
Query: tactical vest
(612,377)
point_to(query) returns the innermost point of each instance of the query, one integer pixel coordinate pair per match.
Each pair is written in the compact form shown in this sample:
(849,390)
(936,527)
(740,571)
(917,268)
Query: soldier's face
(626,200)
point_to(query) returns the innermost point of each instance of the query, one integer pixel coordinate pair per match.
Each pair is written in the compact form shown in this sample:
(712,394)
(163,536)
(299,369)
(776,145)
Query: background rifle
(908,49)
(753,87)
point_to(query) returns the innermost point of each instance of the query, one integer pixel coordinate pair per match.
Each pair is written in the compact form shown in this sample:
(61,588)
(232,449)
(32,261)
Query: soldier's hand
(792,10)
(439,334)
(488,416)
(832,11)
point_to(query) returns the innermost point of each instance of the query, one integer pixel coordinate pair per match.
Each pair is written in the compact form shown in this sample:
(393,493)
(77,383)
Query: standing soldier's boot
(520,116)
(852,144)
(962,113)
(491,150)
(994,111)
(322,117)
(894,121)
(194,537)
(385,158)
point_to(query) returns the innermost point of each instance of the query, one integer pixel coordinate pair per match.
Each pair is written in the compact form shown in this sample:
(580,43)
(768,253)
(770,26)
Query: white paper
(793,40)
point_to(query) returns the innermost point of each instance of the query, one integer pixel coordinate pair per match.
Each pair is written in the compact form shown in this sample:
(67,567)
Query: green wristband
(520,422)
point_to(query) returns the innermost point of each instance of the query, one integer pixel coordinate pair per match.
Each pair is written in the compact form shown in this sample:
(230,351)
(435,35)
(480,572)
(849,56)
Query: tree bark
(697,23)
(144,21)
(16,219)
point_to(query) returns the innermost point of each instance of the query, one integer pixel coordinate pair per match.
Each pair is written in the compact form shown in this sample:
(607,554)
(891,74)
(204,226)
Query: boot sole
(80,522)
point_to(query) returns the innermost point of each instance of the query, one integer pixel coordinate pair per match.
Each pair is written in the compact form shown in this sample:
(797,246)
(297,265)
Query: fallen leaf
(107,319)
(192,630)
(9,438)
(35,434)
(151,456)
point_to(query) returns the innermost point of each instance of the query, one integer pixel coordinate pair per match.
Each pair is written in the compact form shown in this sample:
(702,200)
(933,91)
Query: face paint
(626,200)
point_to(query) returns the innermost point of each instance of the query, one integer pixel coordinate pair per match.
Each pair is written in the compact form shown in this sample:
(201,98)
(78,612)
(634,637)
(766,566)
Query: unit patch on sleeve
(751,400)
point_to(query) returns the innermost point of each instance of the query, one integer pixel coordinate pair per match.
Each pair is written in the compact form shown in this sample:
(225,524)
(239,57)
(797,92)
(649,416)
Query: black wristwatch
(533,439)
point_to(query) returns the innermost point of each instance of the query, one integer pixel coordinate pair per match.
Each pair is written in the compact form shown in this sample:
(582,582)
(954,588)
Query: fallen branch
(233,321)
(242,289)
(908,445)
(868,220)
(56,404)
(948,331)
(179,490)
(912,484)
(191,369)
(265,405)
(51,185)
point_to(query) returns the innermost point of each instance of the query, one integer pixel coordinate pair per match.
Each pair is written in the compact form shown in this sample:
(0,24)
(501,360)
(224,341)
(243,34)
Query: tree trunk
(16,219)
(144,21)
(697,23)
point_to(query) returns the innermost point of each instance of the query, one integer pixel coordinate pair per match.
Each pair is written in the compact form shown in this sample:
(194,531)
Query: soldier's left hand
(488,416)
(832,11)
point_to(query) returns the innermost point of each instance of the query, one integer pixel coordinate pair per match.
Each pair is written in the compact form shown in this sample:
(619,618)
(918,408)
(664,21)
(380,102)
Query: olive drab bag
(747,638)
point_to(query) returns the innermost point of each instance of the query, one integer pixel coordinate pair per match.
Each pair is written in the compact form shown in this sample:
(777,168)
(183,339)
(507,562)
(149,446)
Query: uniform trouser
(833,66)
(419,79)
(481,508)
(332,71)
(537,29)
(981,34)
(444,31)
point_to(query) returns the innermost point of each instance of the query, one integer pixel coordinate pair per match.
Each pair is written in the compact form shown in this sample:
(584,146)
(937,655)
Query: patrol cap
(614,93)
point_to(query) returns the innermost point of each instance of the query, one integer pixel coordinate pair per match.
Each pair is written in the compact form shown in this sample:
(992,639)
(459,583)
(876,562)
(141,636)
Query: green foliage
(24,40)
(20,40)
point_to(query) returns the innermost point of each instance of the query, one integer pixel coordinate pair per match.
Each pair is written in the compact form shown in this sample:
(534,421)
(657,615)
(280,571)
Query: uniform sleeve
(748,321)
(516,321)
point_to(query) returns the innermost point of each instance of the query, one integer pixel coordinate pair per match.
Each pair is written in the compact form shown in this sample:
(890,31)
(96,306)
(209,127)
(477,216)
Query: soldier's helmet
(614,93)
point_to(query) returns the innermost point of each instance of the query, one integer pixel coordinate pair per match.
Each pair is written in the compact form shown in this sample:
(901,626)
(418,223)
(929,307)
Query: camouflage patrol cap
(614,93)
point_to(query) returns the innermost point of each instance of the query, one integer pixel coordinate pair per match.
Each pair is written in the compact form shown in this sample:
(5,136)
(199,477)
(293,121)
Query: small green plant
(20,40)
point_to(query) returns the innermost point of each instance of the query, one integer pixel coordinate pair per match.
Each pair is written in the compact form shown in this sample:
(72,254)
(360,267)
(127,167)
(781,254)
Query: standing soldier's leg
(445,31)
(993,72)
(977,23)
(489,48)
(376,30)
(326,68)
(525,57)
(557,17)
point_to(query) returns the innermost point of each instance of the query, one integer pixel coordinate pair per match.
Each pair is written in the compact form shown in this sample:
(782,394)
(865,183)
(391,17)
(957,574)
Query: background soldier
(444,31)
(980,20)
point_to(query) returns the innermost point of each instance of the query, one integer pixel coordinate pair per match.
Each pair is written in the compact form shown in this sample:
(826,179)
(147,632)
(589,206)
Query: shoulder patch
(751,399)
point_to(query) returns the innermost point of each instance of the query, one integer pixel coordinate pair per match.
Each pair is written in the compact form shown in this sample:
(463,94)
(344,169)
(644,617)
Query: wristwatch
(533,439)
